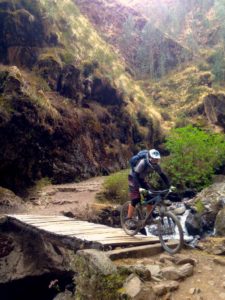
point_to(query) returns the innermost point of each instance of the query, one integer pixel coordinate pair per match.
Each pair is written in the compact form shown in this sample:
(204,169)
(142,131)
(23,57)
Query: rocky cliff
(146,49)
(63,114)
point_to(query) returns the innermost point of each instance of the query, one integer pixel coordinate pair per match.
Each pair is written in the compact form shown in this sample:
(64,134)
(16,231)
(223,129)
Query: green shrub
(115,188)
(194,156)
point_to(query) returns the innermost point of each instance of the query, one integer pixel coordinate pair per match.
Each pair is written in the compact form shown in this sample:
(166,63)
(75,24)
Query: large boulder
(205,207)
(220,223)
(9,201)
(27,255)
(96,275)
(214,105)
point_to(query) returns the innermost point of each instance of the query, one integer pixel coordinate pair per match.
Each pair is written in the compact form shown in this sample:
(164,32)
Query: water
(151,230)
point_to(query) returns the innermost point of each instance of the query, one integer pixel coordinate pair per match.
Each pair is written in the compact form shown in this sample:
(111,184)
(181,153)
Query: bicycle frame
(158,199)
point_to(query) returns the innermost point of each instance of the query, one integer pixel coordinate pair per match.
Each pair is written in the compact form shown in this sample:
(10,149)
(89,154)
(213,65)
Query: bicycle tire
(136,218)
(168,226)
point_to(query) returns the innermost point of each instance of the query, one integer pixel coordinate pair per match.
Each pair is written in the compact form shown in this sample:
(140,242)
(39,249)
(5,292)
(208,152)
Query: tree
(194,156)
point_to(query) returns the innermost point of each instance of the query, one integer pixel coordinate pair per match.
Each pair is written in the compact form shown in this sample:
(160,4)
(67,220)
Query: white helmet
(154,154)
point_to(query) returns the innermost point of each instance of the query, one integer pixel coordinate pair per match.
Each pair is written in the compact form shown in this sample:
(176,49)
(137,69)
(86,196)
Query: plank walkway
(81,234)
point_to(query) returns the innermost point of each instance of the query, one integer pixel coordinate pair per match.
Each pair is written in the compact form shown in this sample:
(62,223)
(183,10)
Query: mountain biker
(137,179)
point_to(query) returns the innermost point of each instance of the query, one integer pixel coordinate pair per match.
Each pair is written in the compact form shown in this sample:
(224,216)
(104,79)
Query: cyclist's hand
(142,191)
(172,188)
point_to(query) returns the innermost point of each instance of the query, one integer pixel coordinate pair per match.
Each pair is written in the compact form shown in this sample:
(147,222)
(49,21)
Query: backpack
(136,158)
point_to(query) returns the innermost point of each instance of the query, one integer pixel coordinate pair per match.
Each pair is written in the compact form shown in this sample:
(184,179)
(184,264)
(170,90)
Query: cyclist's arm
(163,176)
(165,179)
(137,173)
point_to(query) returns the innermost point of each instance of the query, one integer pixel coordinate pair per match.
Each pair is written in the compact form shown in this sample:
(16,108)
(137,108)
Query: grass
(83,43)
(115,188)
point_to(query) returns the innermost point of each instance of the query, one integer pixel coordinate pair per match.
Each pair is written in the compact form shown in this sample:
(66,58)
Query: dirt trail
(75,198)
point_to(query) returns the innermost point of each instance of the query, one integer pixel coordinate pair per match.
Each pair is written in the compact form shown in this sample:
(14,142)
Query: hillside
(194,91)
(185,88)
(85,84)
(147,50)
(68,107)
(192,23)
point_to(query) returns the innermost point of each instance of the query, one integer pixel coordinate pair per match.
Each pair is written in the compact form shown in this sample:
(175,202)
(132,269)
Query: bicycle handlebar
(149,192)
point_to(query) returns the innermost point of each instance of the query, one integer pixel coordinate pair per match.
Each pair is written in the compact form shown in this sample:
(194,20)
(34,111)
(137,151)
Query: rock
(219,261)
(70,84)
(64,296)
(182,260)
(136,290)
(141,271)
(50,68)
(214,105)
(193,223)
(23,34)
(133,286)
(155,270)
(164,287)
(174,273)
(97,275)
(186,270)
(220,223)
(27,255)
(166,257)
(9,201)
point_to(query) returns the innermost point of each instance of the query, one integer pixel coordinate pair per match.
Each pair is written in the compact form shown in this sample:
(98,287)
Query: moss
(199,206)
(91,282)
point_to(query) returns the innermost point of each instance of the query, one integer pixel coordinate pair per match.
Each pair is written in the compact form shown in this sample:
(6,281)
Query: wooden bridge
(77,234)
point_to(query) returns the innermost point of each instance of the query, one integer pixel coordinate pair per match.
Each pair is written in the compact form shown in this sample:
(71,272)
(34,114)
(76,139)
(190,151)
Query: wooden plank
(81,230)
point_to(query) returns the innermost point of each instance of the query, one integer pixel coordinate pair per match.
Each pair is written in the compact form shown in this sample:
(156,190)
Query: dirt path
(73,198)
(208,281)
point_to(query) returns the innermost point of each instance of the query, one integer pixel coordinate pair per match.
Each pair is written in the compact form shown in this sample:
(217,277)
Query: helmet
(154,154)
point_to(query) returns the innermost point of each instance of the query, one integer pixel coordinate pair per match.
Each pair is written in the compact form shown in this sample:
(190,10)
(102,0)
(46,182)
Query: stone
(98,260)
(155,270)
(220,223)
(181,260)
(171,273)
(219,261)
(186,270)
(164,287)
(133,285)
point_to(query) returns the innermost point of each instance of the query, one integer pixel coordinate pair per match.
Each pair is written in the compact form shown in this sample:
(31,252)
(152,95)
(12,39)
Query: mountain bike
(168,227)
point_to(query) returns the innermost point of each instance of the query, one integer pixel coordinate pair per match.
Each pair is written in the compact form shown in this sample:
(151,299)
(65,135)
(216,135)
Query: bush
(194,156)
(115,188)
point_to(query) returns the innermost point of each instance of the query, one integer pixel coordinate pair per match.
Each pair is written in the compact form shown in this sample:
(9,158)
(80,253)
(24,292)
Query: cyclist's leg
(133,194)
(131,207)
(149,208)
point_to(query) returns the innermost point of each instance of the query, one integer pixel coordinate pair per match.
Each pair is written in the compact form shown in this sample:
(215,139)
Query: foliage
(194,156)
(115,187)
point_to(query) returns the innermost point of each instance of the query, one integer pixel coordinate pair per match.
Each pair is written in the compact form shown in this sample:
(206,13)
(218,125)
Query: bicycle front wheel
(132,226)
(170,233)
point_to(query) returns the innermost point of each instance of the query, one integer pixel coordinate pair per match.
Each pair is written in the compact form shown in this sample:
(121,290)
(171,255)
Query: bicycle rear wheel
(170,233)
(135,219)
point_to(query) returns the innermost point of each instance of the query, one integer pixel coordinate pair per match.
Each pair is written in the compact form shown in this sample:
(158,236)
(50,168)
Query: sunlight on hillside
(84,43)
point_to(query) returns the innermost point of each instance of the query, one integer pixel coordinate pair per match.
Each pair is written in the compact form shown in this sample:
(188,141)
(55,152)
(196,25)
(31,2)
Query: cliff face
(145,48)
(63,114)
(191,22)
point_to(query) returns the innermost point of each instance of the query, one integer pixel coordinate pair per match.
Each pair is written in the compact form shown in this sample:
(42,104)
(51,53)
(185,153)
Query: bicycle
(169,229)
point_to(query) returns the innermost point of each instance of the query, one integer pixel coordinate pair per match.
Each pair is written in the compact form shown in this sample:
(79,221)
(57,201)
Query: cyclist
(137,179)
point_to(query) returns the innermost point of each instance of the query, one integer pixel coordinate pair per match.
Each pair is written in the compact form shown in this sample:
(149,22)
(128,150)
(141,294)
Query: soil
(79,198)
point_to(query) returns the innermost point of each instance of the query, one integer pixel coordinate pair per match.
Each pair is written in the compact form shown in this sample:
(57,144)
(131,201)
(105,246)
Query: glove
(142,191)
(172,188)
